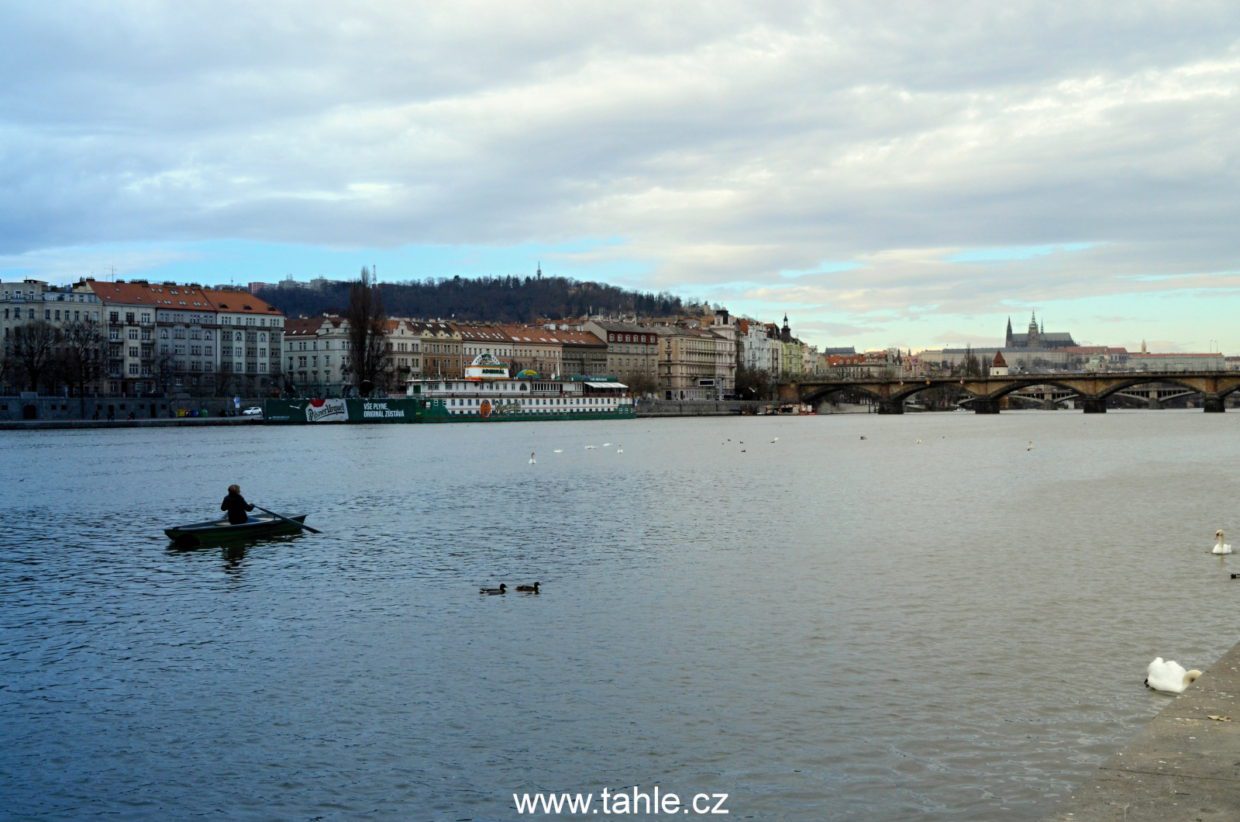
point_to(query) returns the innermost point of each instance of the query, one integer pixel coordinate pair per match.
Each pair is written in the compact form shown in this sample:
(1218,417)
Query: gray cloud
(724,143)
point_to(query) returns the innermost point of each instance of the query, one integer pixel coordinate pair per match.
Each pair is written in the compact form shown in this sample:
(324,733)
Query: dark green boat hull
(219,532)
(410,410)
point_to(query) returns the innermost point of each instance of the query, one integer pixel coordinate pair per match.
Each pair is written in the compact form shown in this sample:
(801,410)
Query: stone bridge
(1091,389)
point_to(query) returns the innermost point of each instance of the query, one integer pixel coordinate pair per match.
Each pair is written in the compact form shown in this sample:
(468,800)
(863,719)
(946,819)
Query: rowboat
(258,526)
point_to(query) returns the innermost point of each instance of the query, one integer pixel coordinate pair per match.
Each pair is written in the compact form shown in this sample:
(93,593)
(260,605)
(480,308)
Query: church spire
(1007,339)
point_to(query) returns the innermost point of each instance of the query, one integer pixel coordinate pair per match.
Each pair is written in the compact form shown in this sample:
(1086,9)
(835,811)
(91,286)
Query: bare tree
(34,346)
(164,370)
(368,356)
(82,346)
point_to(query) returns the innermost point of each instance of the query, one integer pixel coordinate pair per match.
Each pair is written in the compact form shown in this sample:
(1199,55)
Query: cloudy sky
(902,174)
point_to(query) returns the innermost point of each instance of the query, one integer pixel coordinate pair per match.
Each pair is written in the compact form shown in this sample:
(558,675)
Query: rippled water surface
(931,622)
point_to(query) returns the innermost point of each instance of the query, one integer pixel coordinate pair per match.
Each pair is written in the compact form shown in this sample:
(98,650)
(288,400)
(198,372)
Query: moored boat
(488,393)
(259,526)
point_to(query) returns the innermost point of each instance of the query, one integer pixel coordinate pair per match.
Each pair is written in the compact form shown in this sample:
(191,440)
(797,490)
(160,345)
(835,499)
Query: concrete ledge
(1183,765)
(173,422)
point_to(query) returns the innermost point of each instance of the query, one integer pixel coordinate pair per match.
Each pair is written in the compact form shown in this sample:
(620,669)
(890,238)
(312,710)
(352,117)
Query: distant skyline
(902,174)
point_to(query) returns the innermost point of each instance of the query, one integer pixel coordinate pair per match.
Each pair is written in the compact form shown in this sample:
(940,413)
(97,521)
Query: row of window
(48,314)
(52,296)
(327,345)
(537,402)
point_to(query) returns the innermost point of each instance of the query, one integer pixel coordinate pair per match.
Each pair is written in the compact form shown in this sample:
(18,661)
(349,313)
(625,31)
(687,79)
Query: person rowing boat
(236,506)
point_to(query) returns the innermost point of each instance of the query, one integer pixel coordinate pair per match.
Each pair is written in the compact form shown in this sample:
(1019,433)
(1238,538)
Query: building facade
(251,335)
(535,349)
(582,353)
(316,357)
(687,363)
(60,308)
(632,351)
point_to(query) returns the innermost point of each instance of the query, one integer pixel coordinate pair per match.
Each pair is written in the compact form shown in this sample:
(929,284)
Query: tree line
(41,355)
(507,299)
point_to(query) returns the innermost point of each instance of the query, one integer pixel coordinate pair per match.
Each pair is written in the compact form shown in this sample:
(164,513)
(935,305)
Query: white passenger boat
(487,392)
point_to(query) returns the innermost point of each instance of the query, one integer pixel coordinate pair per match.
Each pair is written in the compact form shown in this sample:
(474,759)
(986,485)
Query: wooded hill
(493,299)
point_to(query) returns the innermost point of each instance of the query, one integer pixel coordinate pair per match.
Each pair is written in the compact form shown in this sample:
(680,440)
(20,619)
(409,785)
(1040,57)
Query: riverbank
(703,408)
(173,422)
(1184,765)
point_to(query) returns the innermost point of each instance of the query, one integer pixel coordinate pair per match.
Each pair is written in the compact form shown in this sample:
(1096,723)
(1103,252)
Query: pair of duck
(503,589)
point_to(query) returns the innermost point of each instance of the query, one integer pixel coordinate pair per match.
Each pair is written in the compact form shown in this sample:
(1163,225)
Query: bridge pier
(1094,405)
(984,405)
(891,406)
(1213,405)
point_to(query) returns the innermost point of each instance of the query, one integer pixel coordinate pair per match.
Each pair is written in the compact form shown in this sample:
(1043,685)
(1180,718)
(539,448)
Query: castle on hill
(1036,337)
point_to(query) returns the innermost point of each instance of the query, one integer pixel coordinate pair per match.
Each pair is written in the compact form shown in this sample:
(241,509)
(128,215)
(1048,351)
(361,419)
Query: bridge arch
(815,397)
(1164,379)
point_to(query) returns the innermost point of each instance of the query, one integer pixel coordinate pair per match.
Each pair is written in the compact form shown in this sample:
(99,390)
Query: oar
(286,519)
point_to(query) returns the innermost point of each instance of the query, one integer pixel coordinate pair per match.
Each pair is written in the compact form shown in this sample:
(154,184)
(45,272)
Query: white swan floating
(1220,547)
(1169,676)
(532,460)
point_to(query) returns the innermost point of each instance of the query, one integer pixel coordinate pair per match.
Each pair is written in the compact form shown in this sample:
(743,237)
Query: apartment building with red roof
(251,338)
(171,338)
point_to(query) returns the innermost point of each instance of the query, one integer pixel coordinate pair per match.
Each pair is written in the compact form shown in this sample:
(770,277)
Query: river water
(889,617)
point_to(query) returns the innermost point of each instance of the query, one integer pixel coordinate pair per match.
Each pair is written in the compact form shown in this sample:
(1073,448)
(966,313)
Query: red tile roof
(183,297)
(239,301)
(525,334)
(570,337)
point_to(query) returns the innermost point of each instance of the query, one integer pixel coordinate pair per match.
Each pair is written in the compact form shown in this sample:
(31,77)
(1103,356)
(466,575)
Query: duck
(1220,547)
(502,589)
(775,440)
(532,460)
(1169,676)
(607,445)
(590,447)
(528,589)
(1029,447)
(863,436)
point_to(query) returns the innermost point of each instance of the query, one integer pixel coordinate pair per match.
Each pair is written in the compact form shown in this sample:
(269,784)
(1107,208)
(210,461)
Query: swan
(1029,447)
(500,590)
(558,451)
(1220,547)
(589,447)
(1169,676)
(532,460)
(775,440)
(619,449)
(607,445)
(528,589)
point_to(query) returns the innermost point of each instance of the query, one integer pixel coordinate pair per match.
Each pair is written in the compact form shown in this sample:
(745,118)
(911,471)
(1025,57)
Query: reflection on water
(231,551)
(823,626)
